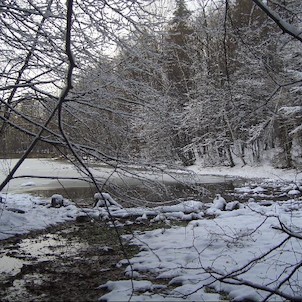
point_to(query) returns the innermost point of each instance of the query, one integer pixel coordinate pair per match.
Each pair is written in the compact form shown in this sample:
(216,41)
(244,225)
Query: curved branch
(285,26)
(59,104)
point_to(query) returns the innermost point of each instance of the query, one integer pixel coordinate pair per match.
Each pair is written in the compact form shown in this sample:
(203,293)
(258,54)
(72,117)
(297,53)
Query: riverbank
(265,172)
(194,251)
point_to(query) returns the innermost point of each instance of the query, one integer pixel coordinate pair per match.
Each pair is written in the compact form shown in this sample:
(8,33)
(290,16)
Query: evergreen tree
(178,59)
(179,74)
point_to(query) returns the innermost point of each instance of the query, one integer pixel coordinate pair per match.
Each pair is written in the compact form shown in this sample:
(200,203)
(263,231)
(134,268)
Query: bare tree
(46,49)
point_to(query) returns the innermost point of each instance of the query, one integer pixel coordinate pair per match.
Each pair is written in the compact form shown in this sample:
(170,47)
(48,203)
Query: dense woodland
(219,84)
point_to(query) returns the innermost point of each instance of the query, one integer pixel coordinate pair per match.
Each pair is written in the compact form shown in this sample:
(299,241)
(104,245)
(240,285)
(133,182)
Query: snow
(290,111)
(22,213)
(263,171)
(186,210)
(57,200)
(104,199)
(240,243)
(195,256)
(219,202)
(42,174)
(296,130)
(192,261)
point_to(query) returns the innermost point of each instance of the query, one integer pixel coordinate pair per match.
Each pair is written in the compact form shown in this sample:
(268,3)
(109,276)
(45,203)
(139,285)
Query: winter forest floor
(172,252)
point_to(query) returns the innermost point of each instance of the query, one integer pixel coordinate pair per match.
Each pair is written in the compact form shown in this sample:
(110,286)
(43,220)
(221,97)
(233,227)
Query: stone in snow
(233,205)
(104,199)
(219,202)
(57,200)
(294,193)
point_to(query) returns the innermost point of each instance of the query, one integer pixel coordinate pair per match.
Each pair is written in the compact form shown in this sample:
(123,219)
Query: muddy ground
(68,263)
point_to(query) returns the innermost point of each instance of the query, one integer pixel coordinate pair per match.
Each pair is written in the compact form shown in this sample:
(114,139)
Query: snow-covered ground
(241,252)
(251,172)
(242,248)
(251,254)
(22,213)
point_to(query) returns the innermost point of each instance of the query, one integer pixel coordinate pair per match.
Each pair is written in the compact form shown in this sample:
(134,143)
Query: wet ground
(69,262)
(65,263)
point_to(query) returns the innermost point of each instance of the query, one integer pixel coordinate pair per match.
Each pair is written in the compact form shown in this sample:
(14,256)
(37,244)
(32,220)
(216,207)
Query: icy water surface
(128,184)
(140,194)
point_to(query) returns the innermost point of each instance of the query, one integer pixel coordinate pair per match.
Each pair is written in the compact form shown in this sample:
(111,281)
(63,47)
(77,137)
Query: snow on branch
(285,26)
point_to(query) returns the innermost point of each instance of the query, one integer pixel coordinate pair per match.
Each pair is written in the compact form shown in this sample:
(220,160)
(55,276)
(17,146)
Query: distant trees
(157,69)
(241,82)
(179,73)
(31,63)
(204,85)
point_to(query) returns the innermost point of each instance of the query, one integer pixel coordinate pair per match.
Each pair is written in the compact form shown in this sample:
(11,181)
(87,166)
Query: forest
(166,123)
(208,83)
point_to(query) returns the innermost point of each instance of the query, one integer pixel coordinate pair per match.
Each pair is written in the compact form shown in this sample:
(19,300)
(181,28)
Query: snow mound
(22,213)
(186,210)
(105,200)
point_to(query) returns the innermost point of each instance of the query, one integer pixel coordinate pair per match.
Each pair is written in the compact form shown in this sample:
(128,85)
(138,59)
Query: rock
(219,202)
(57,200)
(233,205)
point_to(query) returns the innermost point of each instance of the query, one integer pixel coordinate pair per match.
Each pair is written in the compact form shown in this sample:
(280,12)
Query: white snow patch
(28,184)
(22,213)
(263,172)
(191,257)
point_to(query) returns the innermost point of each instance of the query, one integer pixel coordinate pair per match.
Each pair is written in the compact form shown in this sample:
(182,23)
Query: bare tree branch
(60,101)
(284,25)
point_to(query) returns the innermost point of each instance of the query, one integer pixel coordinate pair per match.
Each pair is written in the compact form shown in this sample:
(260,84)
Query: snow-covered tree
(179,73)
(242,72)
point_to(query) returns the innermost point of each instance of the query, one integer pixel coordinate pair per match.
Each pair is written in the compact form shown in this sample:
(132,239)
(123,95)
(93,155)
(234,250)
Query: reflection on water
(42,248)
(136,194)
(19,263)
(49,246)
(10,265)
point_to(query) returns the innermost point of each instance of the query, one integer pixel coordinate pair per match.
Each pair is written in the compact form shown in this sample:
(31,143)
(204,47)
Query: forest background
(152,81)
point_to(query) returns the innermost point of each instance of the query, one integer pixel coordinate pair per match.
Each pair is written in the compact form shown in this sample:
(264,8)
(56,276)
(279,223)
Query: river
(132,185)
